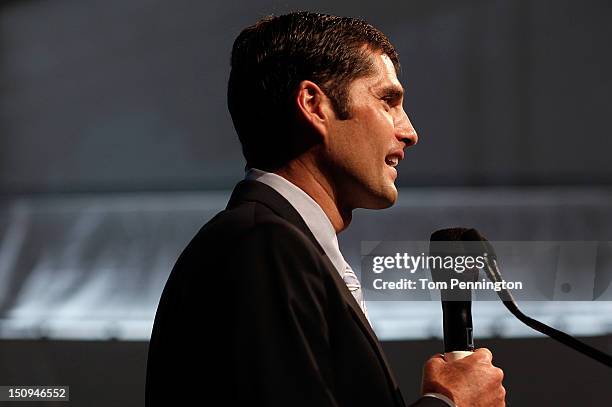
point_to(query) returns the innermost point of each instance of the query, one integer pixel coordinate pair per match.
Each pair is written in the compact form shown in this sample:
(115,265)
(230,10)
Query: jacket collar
(255,191)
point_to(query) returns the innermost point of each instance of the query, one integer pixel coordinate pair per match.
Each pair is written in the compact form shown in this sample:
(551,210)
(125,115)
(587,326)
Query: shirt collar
(314,216)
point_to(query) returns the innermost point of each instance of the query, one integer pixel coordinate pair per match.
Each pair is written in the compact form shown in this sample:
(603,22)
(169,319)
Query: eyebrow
(392,92)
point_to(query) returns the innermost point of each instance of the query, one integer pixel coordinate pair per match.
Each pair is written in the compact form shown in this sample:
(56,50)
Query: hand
(470,382)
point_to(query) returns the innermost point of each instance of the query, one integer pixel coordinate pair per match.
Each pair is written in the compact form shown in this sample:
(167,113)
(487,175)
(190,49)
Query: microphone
(456,303)
(481,245)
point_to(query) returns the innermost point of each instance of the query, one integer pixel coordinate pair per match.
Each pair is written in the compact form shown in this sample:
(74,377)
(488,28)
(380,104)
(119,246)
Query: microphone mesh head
(475,236)
(448,235)
(464,235)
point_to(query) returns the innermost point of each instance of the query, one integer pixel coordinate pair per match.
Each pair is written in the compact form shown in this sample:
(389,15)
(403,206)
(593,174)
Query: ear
(314,107)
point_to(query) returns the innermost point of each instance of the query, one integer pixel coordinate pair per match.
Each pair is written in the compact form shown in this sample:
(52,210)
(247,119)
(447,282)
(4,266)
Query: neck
(308,178)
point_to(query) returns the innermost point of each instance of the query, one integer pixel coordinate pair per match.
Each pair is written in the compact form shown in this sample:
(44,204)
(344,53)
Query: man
(261,309)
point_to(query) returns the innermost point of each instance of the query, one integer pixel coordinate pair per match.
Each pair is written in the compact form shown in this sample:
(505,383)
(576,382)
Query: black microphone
(456,303)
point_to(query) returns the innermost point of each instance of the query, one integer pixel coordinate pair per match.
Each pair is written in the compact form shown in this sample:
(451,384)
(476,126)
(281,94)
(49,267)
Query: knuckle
(499,373)
(434,360)
(484,352)
(432,365)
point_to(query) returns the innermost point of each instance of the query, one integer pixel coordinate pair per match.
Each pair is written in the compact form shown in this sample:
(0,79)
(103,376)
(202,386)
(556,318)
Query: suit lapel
(255,191)
(366,328)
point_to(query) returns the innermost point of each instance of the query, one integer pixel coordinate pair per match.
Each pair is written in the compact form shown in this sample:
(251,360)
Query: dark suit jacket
(255,314)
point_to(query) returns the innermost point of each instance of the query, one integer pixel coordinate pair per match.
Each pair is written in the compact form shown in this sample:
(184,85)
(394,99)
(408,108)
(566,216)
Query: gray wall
(116,95)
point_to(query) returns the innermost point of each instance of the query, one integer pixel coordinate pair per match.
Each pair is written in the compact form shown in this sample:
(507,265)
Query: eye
(387,102)
(391,98)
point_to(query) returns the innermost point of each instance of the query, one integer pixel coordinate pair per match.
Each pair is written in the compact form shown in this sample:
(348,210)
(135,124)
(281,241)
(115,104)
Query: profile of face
(362,152)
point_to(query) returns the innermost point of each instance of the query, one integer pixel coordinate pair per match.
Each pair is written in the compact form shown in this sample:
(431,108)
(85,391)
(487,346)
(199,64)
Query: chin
(381,199)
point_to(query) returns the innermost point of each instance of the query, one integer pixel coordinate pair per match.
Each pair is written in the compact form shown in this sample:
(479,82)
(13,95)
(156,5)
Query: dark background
(116,146)
(130,95)
(111,373)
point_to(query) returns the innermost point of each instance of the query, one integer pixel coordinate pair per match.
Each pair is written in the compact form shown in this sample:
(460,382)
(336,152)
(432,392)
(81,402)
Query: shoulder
(255,252)
(252,219)
(252,229)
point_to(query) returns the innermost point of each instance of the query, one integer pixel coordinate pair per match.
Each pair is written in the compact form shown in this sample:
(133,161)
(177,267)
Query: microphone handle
(458,333)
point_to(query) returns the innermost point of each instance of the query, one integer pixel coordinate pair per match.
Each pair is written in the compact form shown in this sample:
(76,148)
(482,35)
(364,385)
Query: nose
(404,131)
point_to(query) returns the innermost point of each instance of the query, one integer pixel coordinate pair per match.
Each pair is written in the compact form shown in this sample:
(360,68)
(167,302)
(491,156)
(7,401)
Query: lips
(393,158)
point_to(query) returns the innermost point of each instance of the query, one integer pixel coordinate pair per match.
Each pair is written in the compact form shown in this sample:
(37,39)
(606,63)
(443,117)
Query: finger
(484,353)
(435,360)
(500,374)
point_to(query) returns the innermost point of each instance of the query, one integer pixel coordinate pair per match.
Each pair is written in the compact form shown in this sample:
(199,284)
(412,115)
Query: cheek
(380,130)
(378,120)
(365,139)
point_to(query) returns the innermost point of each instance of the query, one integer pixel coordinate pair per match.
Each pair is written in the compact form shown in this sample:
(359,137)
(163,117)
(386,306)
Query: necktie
(351,281)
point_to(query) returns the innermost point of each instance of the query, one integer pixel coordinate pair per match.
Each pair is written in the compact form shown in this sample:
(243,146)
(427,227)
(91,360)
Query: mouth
(392,161)
(393,158)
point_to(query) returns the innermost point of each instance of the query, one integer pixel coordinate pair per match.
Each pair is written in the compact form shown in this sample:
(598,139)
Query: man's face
(363,151)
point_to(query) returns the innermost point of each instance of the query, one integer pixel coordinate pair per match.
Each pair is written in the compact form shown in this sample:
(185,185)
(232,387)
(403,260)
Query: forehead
(383,75)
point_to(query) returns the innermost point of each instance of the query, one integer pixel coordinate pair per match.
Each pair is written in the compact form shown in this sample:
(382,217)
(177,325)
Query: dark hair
(270,59)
